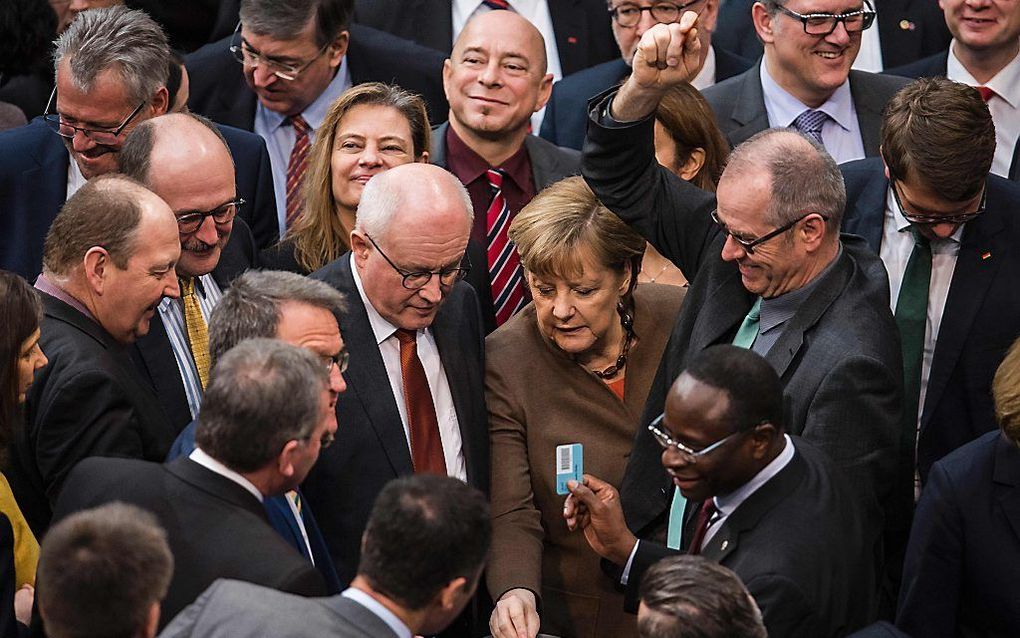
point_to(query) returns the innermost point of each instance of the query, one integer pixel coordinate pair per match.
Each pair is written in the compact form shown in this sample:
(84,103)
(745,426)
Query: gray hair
(381,200)
(804,176)
(116,38)
(251,307)
(263,393)
(135,156)
(286,20)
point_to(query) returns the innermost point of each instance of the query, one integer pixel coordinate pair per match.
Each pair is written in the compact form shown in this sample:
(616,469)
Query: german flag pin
(986,255)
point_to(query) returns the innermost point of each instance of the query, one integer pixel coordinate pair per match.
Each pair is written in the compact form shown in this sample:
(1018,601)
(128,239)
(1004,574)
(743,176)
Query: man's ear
(96,264)
(544,91)
(813,231)
(762,23)
(360,246)
(285,460)
(338,49)
(160,102)
(151,626)
(451,595)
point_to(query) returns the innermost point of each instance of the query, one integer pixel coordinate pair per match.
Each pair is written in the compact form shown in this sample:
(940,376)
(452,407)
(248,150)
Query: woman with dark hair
(27,30)
(20,357)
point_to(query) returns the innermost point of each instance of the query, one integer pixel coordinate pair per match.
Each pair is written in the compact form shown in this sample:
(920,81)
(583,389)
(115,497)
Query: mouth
(829,55)
(361,179)
(487,100)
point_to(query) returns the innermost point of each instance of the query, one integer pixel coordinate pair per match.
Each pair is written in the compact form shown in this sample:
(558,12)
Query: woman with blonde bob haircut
(369,129)
(574,366)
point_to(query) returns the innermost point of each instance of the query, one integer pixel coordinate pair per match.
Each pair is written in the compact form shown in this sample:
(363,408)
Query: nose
(941,231)
(172,288)
(81,142)
(41,361)
(370,156)
(262,76)
(839,35)
(207,232)
(490,74)
(645,23)
(731,250)
(337,384)
(432,291)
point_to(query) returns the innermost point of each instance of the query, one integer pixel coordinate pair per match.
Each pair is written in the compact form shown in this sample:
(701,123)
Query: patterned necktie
(198,333)
(426,444)
(705,515)
(496,4)
(986,93)
(506,280)
(748,330)
(296,168)
(810,123)
(912,319)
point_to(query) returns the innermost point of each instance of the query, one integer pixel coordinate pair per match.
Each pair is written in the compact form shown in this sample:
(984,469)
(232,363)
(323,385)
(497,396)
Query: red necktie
(505,278)
(986,93)
(705,515)
(496,4)
(426,444)
(296,169)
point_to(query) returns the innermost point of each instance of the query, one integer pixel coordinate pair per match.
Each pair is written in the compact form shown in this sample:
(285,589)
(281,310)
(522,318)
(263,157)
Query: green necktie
(912,319)
(675,528)
(748,330)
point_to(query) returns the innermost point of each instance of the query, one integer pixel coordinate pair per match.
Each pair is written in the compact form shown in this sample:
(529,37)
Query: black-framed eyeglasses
(749,244)
(341,360)
(418,280)
(931,220)
(688,455)
(251,57)
(629,14)
(190,222)
(103,137)
(825,23)
(325,440)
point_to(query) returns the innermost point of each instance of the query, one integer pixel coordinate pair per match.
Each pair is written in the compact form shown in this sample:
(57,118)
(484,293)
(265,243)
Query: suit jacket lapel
(448,341)
(437,154)
(154,354)
(869,114)
(731,303)
(1006,476)
(868,215)
(1014,167)
(749,107)
(546,167)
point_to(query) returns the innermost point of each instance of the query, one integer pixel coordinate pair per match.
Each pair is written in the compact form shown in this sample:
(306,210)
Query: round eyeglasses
(190,221)
(628,14)
(420,279)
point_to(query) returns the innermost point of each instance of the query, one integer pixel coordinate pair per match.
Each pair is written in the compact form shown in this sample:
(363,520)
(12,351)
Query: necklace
(628,325)
(651,280)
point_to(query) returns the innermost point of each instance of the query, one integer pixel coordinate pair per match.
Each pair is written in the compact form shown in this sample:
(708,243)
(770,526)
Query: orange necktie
(426,444)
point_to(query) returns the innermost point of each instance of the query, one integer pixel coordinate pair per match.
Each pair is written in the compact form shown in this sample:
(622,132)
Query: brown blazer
(528,381)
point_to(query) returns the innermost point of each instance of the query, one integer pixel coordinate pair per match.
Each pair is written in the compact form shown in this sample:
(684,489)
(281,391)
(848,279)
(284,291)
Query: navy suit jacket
(281,517)
(962,561)
(982,314)
(218,89)
(33,189)
(566,113)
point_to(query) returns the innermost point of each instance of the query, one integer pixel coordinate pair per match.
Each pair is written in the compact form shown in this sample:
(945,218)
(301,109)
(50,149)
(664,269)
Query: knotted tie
(426,444)
(748,330)
(496,4)
(810,123)
(705,515)
(986,93)
(505,277)
(912,319)
(296,168)
(198,332)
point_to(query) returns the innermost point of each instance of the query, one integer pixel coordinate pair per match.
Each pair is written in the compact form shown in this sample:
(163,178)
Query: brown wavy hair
(691,124)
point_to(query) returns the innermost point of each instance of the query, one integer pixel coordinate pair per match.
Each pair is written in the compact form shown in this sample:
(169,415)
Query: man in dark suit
(579,28)
(772,508)
(425,546)
(566,115)
(907,30)
(266,416)
(985,53)
(804,80)
(109,261)
(496,79)
(183,159)
(768,270)
(124,49)
(405,301)
(935,184)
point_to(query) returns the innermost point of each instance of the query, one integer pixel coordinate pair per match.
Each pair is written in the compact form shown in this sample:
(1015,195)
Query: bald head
(527,39)
(419,194)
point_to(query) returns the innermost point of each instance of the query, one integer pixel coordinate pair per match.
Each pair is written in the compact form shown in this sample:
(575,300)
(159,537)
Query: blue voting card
(569,466)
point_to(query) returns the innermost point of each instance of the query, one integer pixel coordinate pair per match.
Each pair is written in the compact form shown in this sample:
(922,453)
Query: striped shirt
(171,312)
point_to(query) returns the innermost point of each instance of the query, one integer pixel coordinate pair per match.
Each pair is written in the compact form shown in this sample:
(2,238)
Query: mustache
(196,245)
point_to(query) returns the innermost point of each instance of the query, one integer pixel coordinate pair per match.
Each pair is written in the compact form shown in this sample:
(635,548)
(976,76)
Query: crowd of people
(509,318)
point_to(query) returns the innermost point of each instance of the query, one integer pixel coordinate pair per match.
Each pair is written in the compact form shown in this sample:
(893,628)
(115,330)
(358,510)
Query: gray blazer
(739,104)
(235,609)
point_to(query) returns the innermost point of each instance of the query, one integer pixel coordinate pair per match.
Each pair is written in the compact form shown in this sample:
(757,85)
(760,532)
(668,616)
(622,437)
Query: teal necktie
(912,319)
(675,529)
(748,331)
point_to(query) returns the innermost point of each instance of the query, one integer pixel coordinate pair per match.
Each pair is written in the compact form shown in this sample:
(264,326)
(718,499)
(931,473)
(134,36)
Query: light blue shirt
(280,138)
(379,610)
(841,133)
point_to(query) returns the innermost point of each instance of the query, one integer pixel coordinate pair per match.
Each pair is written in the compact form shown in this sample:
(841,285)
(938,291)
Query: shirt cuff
(626,568)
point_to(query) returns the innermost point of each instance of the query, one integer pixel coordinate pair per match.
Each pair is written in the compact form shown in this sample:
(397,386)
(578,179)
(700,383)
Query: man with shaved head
(182,158)
(495,79)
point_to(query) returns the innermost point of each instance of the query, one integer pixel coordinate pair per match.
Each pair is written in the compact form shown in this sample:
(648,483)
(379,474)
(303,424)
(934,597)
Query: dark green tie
(912,318)
(748,330)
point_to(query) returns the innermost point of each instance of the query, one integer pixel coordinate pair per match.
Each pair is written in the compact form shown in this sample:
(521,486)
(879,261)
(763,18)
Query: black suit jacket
(907,29)
(215,528)
(566,113)
(982,313)
(371,448)
(838,358)
(961,568)
(582,28)
(89,401)
(801,546)
(33,188)
(219,91)
(739,105)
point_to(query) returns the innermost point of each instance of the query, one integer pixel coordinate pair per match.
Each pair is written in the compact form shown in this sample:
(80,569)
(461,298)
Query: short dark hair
(20,315)
(941,133)
(424,532)
(753,387)
(175,74)
(106,212)
(262,394)
(693,597)
(28,28)
(688,119)
(135,156)
(100,571)
(286,20)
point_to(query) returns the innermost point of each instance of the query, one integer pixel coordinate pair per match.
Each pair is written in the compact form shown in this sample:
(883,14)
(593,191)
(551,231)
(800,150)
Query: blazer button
(724,545)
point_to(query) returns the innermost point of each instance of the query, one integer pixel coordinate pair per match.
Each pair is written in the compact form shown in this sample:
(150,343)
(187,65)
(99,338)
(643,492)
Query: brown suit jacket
(529,382)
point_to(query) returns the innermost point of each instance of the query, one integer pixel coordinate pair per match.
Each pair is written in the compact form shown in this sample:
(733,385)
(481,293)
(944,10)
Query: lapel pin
(907,25)
(986,255)
(571,40)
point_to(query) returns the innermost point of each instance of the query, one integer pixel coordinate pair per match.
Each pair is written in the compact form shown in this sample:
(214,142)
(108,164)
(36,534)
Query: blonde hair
(1006,392)
(319,235)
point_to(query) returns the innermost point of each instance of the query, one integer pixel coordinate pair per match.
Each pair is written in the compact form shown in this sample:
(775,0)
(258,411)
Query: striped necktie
(296,168)
(506,279)
(198,332)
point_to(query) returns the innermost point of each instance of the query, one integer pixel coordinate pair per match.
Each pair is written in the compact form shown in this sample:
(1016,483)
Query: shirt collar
(381,328)
(1005,83)
(200,289)
(903,224)
(784,108)
(776,311)
(730,502)
(380,610)
(45,285)
(315,112)
(469,166)
(202,458)
(706,76)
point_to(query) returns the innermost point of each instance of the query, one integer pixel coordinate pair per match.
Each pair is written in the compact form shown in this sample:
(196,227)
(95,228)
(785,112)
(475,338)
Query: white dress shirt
(706,76)
(75,179)
(897,244)
(841,133)
(1004,105)
(280,138)
(171,313)
(198,455)
(435,373)
(377,608)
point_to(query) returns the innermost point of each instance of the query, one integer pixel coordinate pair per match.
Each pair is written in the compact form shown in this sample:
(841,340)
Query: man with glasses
(565,113)
(804,79)
(414,402)
(772,508)
(285,64)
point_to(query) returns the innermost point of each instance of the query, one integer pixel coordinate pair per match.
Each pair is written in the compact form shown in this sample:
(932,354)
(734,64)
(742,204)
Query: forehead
(505,36)
(377,118)
(156,238)
(309,326)
(282,47)
(743,198)
(190,167)
(696,410)
(823,6)
(106,98)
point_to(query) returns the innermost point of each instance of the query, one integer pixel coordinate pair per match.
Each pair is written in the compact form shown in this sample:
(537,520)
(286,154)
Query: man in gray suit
(423,554)
(495,79)
(804,79)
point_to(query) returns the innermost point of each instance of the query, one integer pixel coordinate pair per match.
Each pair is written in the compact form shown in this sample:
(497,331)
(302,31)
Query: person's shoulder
(212,54)
(31,140)
(601,75)
(567,158)
(661,301)
(508,339)
(728,87)
(367,40)
(972,461)
(240,140)
(877,83)
(931,66)
(337,273)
